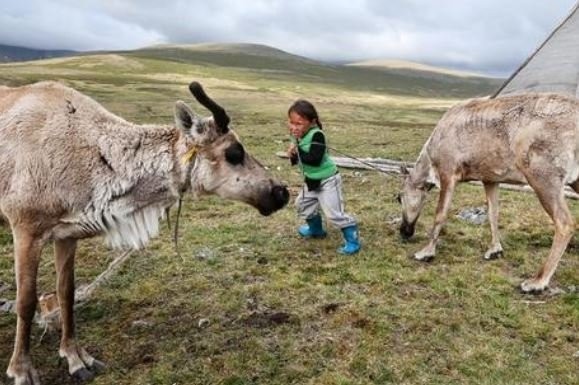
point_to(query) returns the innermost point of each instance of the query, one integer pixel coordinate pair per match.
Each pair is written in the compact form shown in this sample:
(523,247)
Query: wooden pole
(393,167)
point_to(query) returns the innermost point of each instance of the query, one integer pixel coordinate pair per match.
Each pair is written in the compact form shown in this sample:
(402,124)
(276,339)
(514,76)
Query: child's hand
(292,150)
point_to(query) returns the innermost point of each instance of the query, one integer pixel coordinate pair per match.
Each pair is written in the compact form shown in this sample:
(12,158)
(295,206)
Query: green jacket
(318,167)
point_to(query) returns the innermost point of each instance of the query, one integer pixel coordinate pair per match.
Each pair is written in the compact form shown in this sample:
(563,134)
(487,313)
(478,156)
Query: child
(323,183)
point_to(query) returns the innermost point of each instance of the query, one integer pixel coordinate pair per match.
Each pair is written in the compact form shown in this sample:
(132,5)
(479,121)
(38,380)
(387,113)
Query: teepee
(554,67)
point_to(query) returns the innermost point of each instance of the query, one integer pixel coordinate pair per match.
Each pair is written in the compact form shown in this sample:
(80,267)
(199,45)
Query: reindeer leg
(492,193)
(79,361)
(550,193)
(27,250)
(447,186)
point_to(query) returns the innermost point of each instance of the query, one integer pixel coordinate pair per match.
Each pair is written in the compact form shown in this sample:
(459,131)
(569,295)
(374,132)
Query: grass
(248,302)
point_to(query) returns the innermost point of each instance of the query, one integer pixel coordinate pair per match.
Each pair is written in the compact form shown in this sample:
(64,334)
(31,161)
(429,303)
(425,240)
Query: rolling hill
(251,62)
(273,63)
(409,66)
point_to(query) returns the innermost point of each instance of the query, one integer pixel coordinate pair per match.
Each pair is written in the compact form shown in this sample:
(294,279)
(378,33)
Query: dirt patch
(331,307)
(269,319)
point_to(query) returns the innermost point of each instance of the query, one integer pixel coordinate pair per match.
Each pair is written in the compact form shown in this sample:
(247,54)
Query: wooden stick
(85,292)
(49,316)
(393,167)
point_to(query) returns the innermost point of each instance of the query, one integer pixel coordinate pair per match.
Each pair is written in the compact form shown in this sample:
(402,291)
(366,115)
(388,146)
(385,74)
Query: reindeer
(528,138)
(69,170)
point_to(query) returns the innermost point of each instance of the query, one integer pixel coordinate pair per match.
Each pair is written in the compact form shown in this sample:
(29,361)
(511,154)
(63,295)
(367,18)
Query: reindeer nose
(280,196)
(273,199)
(406,230)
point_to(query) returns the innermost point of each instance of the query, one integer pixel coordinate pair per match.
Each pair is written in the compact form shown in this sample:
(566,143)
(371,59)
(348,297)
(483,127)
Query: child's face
(298,125)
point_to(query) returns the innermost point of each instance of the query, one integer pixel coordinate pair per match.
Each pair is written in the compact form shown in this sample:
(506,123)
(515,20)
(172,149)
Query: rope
(176,233)
(190,158)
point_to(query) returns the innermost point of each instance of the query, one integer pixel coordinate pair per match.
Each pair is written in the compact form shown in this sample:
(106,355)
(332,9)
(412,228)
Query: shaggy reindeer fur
(84,169)
(69,169)
(530,138)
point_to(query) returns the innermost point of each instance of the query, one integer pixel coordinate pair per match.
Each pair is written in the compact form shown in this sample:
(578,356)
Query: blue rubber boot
(352,241)
(313,228)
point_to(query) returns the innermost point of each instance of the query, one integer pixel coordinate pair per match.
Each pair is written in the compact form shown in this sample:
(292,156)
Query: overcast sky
(491,36)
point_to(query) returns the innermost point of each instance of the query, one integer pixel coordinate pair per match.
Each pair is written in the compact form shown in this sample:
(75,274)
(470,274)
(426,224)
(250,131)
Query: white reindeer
(529,138)
(69,169)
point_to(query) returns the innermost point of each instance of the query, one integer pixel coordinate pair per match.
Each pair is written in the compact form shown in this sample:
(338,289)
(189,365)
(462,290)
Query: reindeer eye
(235,154)
(427,186)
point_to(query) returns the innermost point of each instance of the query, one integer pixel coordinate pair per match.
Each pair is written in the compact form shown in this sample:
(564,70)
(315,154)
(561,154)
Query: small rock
(141,323)
(474,215)
(576,355)
(205,253)
(6,306)
(393,219)
(203,323)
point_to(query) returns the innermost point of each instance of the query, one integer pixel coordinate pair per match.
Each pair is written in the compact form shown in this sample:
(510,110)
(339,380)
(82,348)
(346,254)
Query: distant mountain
(390,64)
(10,53)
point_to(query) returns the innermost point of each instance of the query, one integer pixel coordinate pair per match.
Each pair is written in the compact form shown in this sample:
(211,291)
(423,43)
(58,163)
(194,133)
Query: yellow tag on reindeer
(189,155)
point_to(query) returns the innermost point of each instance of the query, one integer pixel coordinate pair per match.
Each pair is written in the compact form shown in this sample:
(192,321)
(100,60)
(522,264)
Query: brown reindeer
(69,169)
(529,138)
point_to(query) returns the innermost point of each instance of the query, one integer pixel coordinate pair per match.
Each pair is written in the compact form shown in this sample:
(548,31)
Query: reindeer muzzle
(406,229)
(273,200)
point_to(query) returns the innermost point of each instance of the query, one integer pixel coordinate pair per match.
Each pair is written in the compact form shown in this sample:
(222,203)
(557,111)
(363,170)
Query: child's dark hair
(307,110)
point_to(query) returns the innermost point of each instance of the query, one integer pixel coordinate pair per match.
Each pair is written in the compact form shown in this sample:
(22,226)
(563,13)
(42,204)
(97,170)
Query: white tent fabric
(554,67)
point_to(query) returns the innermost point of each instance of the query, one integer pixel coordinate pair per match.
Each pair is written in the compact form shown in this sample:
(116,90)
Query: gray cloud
(493,36)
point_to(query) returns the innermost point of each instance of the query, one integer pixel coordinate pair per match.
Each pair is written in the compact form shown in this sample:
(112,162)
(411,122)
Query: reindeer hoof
(490,256)
(83,375)
(28,379)
(530,287)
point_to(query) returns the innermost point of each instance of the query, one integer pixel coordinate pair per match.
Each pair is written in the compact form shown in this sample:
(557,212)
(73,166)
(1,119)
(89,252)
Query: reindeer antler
(219,114)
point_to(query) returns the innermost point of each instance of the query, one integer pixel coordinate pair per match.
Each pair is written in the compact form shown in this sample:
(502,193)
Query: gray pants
(329,198)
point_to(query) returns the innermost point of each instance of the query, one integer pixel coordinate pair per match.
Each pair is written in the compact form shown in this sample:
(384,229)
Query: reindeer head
(222,166)
(412,199)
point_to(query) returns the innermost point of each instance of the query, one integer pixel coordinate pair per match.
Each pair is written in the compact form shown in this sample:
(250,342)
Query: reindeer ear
(404,170)
(185,118)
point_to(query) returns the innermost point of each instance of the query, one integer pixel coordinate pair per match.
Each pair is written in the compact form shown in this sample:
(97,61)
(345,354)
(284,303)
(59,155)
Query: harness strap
(189,159)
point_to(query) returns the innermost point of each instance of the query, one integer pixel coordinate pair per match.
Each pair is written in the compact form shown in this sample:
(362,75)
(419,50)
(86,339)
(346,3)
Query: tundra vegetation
(248,302)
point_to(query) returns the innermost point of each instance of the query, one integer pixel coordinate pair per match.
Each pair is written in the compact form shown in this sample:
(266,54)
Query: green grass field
(248,302)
